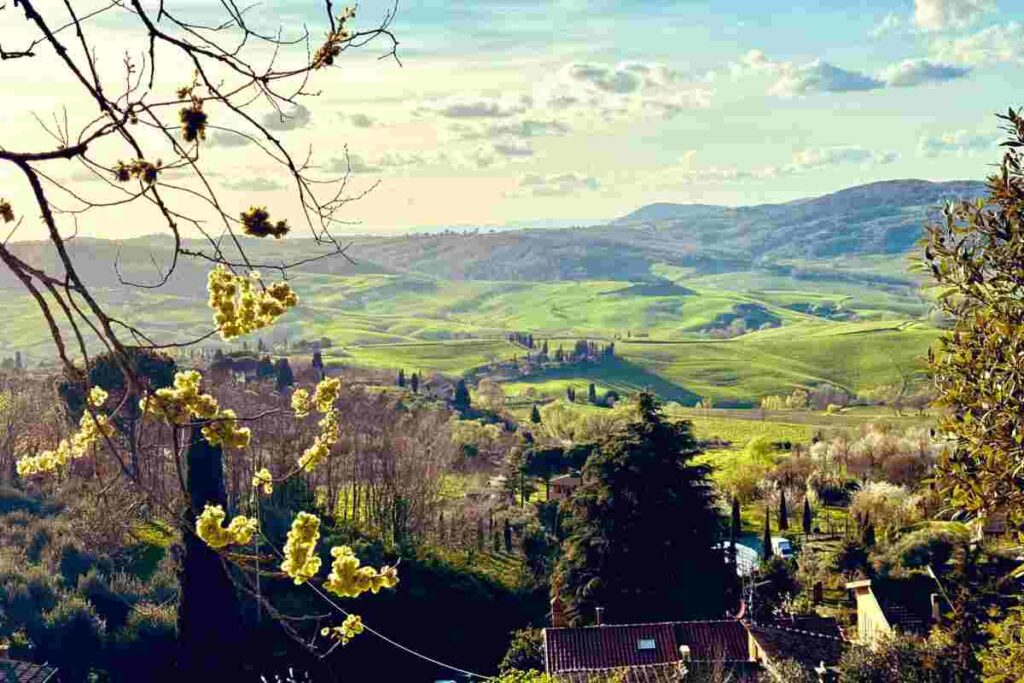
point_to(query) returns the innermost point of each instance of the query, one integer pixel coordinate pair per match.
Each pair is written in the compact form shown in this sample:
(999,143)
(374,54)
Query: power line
(380,635)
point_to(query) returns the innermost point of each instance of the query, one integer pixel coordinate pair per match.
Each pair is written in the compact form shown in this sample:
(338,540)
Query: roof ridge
(801,631)
(644,623)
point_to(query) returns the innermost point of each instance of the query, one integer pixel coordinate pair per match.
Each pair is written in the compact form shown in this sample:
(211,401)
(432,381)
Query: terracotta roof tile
(13,671)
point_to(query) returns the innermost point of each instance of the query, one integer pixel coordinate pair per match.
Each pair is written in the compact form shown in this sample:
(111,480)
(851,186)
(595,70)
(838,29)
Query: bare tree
(140,129)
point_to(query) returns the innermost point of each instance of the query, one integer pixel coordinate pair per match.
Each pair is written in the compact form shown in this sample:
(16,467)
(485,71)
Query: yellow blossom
(264,481)
(209,527)
(241,307)
(301,562)
(349,629)
(348,580)
(301,404)
(326,394)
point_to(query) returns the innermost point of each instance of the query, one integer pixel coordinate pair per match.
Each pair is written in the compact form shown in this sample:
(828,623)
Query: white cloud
(1002,43)
(289,119)
(389,160)
(938,15)
(226,139)
(362,120)
(522,129)
(911,72)
(513,148)
(254,184)
(823,157)
(556,185)
(819,76)
(890,23)
(624,89)
(803,161)
(475,108)
(956,143)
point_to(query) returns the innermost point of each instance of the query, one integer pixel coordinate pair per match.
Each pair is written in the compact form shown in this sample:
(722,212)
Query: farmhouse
(675,651)
(910,605)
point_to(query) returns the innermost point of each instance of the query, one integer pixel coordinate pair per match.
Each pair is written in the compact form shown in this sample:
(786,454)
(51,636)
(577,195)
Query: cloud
(556,185)
(523,129)
(296,117)
(362,120)
(254,184)
(803,161)
(999,44)
(824,157)
(513,148)
(889,24)
(787,79)
(226,139)
(938,15)
(621,90)
(389,160)
(955,143)
(819,76)
(911,72)
(475,108)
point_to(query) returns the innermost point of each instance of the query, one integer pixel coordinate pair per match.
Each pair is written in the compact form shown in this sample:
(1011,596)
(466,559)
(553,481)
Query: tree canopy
(642,528)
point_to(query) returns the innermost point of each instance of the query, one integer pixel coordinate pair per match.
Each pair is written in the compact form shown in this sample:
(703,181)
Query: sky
(531,112)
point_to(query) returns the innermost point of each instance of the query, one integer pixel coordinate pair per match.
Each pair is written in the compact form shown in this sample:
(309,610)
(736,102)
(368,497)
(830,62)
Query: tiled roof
(906,602)
(652,673)
(723,640)
(616,646)
(13,671)
(609,647)
(808,648)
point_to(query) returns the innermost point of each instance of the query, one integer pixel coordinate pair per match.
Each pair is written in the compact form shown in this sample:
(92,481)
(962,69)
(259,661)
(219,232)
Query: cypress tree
(461,400)
(766,541)
(285,376)
(807,515)
(318,364)
(535,415)
(401,378)
(592,393)
(508,537)
(783,512)
(737,523)
(415,382)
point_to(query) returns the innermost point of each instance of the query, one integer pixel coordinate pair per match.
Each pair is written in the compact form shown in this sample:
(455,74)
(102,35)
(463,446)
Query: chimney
(557,614)
(600,615)
(936,608)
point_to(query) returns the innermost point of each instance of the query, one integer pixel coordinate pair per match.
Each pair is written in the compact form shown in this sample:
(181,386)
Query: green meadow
(458,327)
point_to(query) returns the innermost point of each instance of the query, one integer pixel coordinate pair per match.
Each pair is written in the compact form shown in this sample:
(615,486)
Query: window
(645,644)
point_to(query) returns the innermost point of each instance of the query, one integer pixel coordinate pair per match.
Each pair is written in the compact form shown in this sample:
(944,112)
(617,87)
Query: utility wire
(380,635)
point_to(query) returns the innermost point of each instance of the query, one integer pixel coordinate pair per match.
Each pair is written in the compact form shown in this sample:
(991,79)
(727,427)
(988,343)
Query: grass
(458,326)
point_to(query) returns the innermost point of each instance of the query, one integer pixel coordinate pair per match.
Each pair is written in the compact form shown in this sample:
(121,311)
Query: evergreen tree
(807,515)
(260,347)
(461,400)
(736,526)
(401,378)
(318,364)
(766,540)
(621,551)
(508,536)
(783,512)
(415,382)
(265,368)
(535,415)
(18,364)
(868,538)
(544,348)
(285,376)
(592,393)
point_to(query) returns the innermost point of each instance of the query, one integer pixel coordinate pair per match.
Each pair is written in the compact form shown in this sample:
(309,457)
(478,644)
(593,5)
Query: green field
(458,327)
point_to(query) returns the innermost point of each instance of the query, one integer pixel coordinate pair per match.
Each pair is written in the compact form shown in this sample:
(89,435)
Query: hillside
(701,306)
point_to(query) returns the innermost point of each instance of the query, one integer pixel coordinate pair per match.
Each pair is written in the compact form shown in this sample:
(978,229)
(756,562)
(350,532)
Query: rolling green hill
(658,281)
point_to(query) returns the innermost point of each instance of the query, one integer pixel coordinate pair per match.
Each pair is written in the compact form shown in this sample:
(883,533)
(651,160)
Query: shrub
(929,545)
(525,652)
(71,637)
(146,643)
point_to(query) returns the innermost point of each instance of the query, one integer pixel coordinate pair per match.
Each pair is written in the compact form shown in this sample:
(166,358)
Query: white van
(781,547)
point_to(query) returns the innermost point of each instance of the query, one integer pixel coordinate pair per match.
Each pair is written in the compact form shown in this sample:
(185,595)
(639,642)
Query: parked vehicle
(781,547)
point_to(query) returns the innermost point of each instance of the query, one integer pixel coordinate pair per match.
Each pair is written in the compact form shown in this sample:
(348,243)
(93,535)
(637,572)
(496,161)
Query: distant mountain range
(879,218)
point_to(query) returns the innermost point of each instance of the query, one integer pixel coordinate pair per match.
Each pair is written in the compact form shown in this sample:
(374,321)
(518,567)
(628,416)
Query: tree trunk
(208,616)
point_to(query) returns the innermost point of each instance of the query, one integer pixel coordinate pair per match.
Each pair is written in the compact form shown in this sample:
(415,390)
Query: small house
(563,486)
